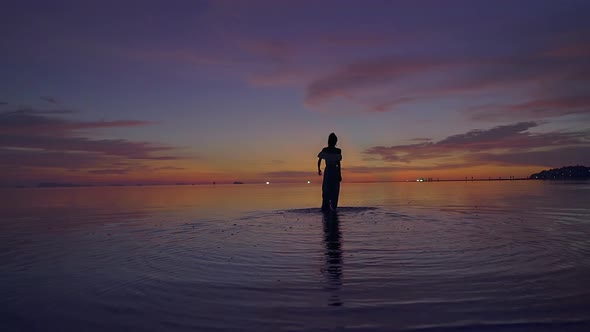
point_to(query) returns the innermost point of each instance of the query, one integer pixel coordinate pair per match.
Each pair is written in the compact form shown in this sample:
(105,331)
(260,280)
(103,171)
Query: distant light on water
(267,182)
(337,250)
(308,182)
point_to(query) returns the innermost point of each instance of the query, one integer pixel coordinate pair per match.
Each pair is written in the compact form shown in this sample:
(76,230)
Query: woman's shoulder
(333,150)
(331,154)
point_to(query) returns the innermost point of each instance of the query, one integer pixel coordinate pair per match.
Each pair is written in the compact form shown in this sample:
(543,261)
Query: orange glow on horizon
(206,176)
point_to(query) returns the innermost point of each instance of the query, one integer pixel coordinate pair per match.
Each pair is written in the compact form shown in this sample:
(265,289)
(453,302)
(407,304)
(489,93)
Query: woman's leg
(335,194)
(325,192)
(332,189)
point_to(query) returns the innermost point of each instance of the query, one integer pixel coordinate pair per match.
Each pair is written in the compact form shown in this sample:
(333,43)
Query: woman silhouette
(332,175)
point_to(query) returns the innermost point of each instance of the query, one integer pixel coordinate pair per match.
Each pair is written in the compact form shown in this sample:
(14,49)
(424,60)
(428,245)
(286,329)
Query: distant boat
(238,182)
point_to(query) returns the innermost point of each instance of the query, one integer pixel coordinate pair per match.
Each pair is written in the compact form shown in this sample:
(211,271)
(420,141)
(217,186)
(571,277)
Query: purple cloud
(48,159)
(111,147)
(36,122)
(536,109)
(50,100)
(361,169)
(110,171)
(382,84)
(44,142)
(574,155)
(273,51)
(571,50)
(506,144)
(358,76)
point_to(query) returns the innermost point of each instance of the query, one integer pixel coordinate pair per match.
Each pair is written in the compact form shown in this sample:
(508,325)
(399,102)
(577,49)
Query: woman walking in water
(332,176)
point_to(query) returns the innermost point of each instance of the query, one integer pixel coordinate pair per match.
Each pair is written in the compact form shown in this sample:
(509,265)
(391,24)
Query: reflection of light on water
(267,182)
(357,267)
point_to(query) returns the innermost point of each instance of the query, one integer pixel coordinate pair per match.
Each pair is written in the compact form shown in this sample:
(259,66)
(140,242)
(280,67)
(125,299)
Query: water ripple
(446,266)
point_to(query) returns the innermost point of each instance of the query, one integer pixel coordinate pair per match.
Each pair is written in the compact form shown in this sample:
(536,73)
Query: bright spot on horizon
(308,182)
(267,182)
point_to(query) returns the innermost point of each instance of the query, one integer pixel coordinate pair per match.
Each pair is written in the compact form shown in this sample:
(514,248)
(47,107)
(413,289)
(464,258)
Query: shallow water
(442,256)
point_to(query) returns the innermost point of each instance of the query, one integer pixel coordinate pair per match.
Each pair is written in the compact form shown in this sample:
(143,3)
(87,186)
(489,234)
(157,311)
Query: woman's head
(332,139)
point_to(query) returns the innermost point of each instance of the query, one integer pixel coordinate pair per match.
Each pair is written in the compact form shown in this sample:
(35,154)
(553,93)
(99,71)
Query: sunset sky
(102,92)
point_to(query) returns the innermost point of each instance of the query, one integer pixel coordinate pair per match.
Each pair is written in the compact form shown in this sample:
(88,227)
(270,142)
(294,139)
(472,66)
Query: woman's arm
(319,166)
(339,172)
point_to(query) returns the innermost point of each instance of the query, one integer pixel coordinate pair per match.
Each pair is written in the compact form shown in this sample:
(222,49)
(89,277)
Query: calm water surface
(446,256)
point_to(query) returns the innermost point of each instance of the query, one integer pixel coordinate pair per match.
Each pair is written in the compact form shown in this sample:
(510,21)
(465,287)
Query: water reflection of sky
(267,256)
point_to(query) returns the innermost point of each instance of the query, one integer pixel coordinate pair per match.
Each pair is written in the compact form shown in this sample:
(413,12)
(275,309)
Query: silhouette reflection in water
(333,255)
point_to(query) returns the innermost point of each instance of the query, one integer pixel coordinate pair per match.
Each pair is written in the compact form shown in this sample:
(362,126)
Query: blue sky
(233,90)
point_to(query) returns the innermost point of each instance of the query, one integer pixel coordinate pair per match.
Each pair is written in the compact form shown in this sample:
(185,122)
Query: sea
(403,256)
